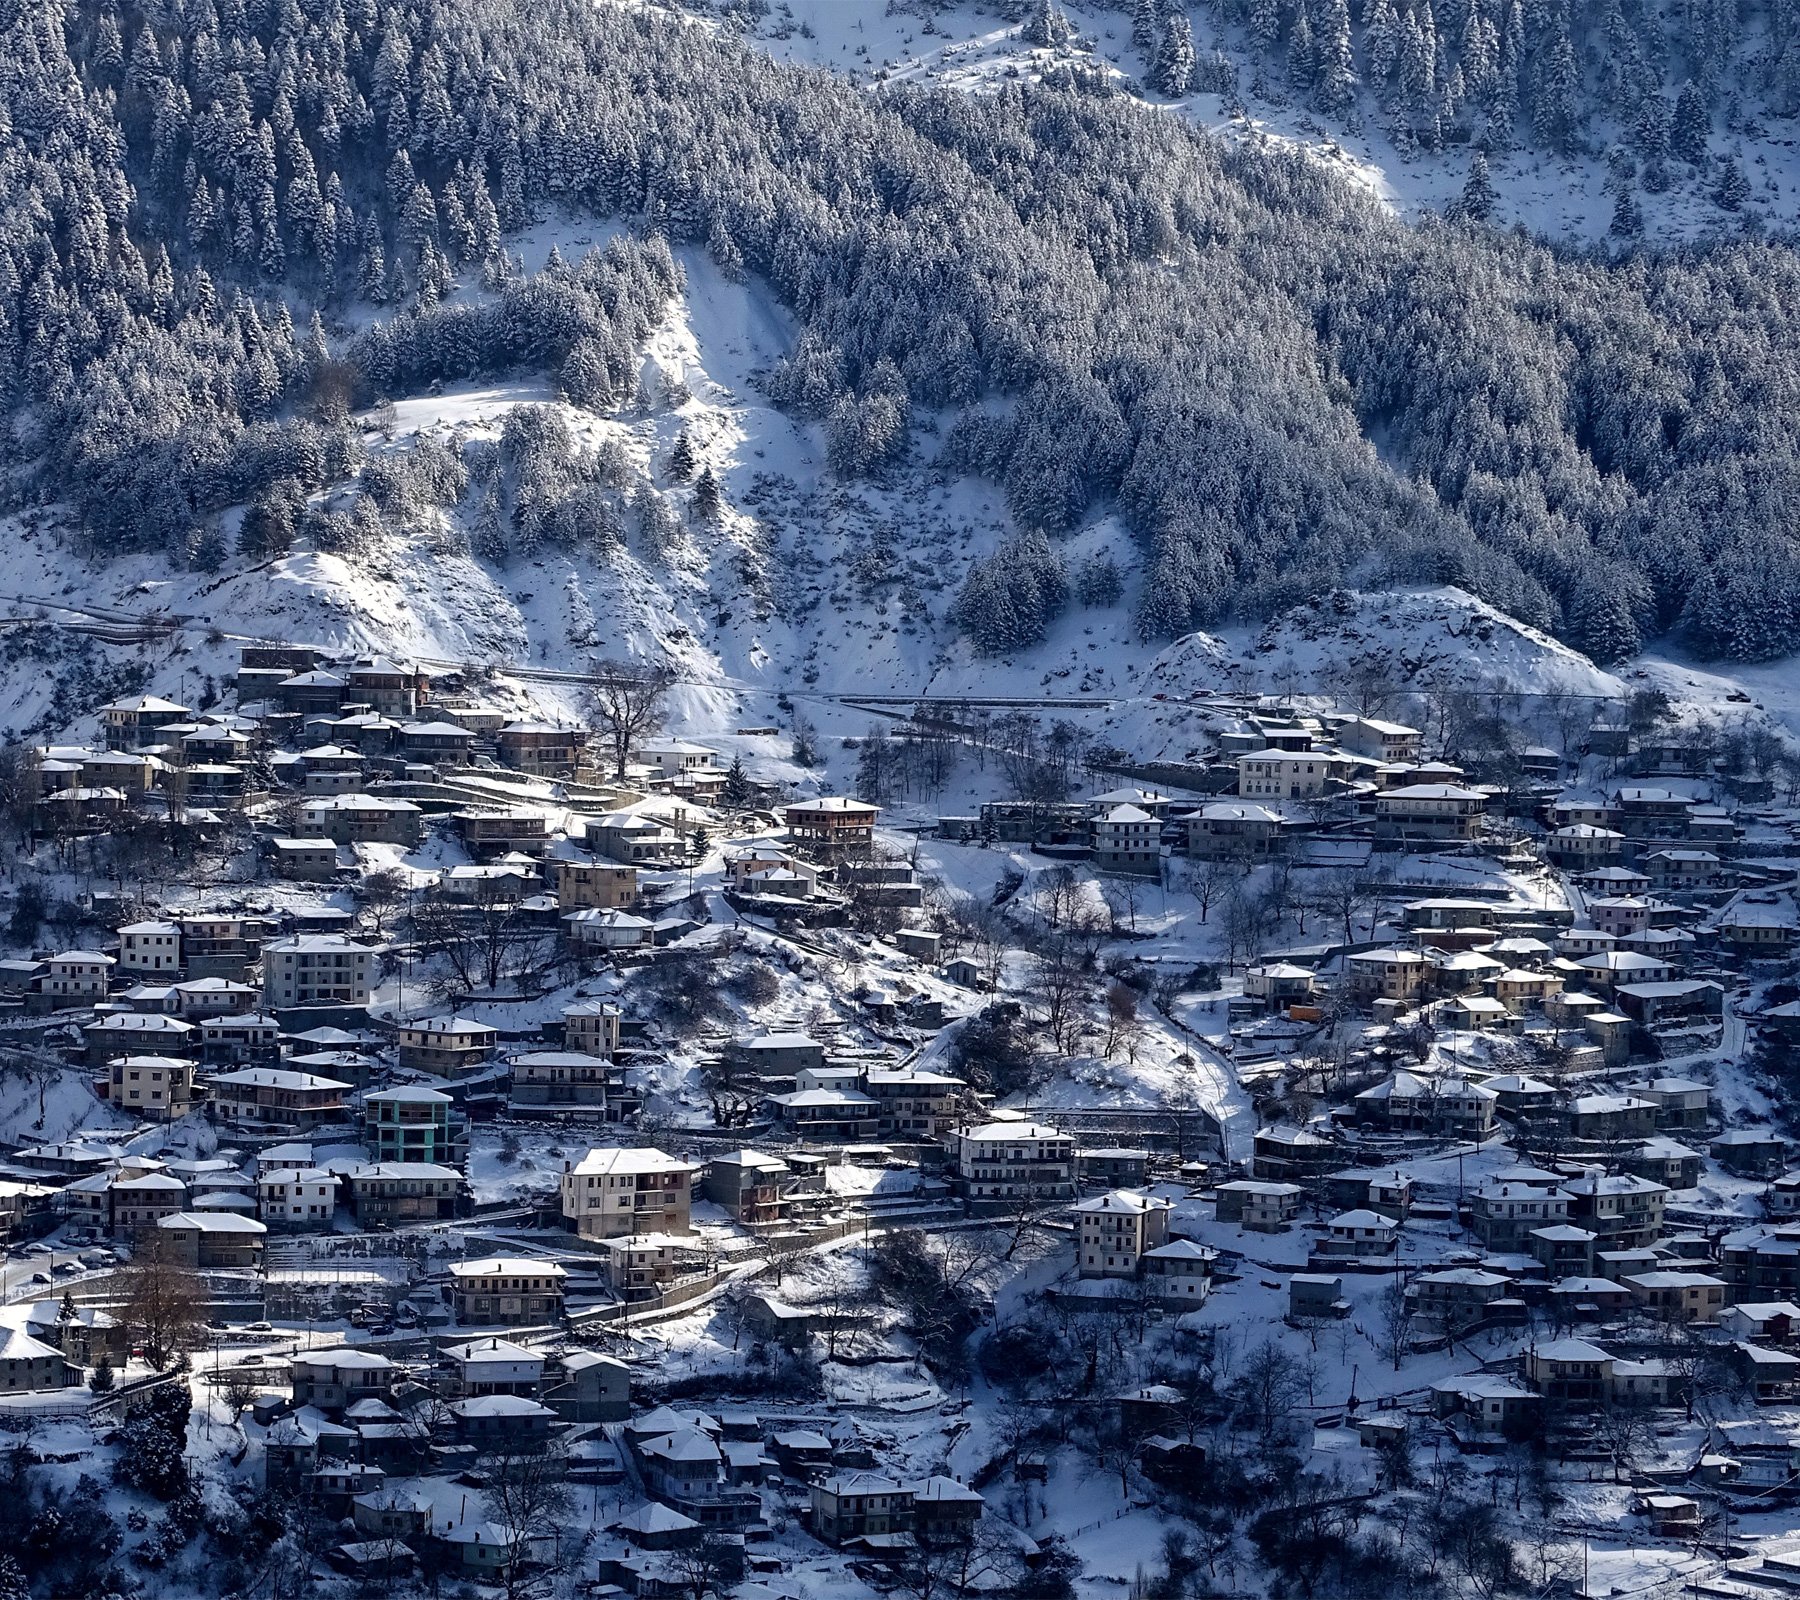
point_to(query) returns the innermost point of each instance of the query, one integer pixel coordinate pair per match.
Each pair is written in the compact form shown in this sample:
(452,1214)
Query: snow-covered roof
(617,1161)
(506,1266)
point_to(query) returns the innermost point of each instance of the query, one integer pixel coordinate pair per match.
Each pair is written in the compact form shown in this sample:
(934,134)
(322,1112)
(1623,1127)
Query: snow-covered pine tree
(1476,204)
(1692,126)
(1172,72)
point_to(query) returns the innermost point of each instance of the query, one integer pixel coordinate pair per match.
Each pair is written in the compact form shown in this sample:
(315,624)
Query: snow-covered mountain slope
(979,44)
(804,588)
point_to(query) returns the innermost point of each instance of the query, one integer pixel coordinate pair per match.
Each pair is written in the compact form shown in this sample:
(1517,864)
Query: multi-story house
(1128,840)
(132,724)
(274,1097)
(76,978)
(150,949)
(612,1192)
(858,1505)
(1621,1210)
(363,819)
(1504,1214)
(914,1103)
(832,826)
(1430,811)
(158,1087)
(411,1123)
(506,1292)
(296,1198)
(748,1184)
(1273,774)
(564,1078)
(309,969)
(594,885)
(390,1192)
(1114,1231)
(546,749)
(447,1047)
(1002,1161)
(592,1027)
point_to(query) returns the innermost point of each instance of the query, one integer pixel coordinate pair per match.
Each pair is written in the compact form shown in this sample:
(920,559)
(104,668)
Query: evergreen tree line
(1111,308)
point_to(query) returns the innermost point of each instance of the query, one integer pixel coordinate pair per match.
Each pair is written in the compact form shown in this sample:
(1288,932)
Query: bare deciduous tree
(626,705)
(162,1300)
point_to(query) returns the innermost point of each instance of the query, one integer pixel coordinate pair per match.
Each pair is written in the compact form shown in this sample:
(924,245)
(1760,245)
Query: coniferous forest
(1278,386)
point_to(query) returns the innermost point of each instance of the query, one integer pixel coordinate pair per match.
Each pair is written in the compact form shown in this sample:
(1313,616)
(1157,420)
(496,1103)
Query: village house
(332,1380)
(74,978)
(447,1046)
(221,943)
(1457,1297)
(592,1027)
(1578,1373)
(212,1240)
(1581,846)
(1279,984)
(1114,1231)
(1430,811)
(150,949)
(1683,869)
(913,1103)
(1388,742)
(1127,839)
(593,885)
(764,870)
(493,1366)
(1389,1192)
(1676,1296)
(436,744)
(1386,974)
(28,1364)
(562,1078)
(158,1087)
(1756,931)
(1179,1273)
(502,830)
(1274,774)
(362,819)
(139,1200)
(1001,1161)
(544,749)
(1226,830)
(1406,1102)
(134,723)
(506,1291)
(781,1055)
(391,687)
(1609,1118)
(276,1098)
(296,1198)
(748,1184)
(132,1033)
(606,930)
(1681,1103)
(849,1506)
(1359,1235)
(634,838)
(1622,1211)
(310,969)
(614,1192)
(1256,1205)
(395,1193)
(411,1123)
(832,827)
(1485,1404)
